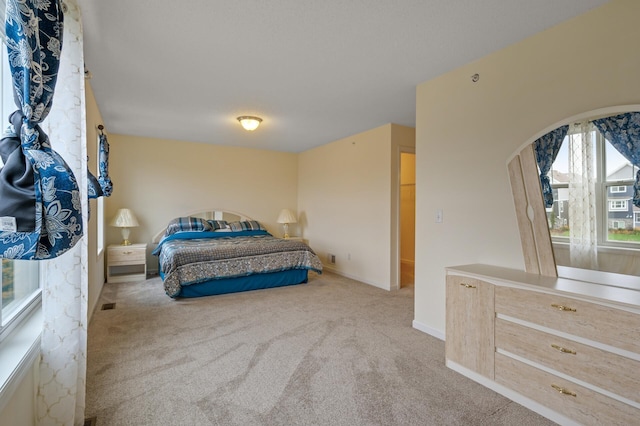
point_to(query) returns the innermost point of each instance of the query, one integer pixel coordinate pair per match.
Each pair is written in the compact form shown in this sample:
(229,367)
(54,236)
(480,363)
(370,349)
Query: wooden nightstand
(294,238)
(126,263)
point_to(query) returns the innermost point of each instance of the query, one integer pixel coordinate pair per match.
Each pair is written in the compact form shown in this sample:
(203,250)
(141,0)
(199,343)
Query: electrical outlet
(331,258)
(439,216)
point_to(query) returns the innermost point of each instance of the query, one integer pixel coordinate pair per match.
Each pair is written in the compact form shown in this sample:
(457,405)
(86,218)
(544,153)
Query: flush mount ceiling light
(249,122)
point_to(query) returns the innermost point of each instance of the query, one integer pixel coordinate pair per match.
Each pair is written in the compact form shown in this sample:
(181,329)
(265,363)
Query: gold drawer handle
(564,350)
(563,390)
(467,285)
(563,308)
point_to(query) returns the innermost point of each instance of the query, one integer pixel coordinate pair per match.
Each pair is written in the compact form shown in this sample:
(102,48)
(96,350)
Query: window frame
(603,188)
(32,301)
(624,205)
(100,206)
(24,310)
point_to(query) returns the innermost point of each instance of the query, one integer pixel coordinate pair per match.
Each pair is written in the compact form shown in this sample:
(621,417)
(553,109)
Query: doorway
(407,218)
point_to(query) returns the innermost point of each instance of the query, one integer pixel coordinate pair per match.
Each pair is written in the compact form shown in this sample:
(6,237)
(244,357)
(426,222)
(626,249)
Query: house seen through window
(616,218)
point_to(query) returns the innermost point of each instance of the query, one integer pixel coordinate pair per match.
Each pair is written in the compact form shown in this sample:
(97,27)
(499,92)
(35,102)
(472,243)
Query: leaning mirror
(576,191)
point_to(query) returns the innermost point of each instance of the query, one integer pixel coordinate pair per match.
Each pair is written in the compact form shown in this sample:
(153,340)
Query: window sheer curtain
(583,244)
(61,391)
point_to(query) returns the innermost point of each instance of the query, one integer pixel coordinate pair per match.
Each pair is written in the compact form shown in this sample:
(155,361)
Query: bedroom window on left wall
(99,208)
(20,279)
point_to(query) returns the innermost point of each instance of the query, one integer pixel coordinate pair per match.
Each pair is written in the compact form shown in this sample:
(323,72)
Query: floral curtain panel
(102,186)
(104,179)
(41,210)
(623,131)
(94,190)
(546,149)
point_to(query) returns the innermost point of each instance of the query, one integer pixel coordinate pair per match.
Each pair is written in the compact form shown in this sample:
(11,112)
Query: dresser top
(604,287)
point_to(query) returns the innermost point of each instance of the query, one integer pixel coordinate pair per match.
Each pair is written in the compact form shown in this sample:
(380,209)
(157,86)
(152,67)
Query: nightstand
(126,263)
(292,238)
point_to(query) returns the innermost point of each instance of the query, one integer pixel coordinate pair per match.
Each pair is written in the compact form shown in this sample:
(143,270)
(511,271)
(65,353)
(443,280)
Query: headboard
(210,214)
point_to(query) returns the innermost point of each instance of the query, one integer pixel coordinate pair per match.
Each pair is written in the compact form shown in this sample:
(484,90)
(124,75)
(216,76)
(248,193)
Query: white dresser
(566,348)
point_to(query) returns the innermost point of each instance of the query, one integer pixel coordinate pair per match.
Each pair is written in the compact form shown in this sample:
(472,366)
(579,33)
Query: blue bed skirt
(251,282)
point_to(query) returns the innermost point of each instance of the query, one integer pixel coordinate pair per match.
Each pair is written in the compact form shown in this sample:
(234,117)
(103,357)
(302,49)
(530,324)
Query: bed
(218,252)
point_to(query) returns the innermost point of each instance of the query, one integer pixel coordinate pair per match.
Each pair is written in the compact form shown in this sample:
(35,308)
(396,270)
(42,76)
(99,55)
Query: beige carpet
(331,352)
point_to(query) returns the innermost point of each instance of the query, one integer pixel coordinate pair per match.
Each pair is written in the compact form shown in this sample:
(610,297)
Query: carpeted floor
(331,352)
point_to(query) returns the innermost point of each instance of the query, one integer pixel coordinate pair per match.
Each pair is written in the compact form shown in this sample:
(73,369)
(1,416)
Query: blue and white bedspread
(192,258)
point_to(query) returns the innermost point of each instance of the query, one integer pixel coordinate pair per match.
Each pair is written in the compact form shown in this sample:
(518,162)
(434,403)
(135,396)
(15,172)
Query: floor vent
(90,422)
(107,306)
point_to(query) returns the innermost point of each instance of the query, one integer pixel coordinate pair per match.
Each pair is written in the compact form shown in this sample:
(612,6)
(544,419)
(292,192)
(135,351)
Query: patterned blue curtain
(102,186)
(104,179)
(623,131)
(40,209)
(94,189)
(546,149)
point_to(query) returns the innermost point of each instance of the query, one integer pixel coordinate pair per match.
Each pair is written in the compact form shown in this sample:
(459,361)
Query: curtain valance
(546,149)
(623,132)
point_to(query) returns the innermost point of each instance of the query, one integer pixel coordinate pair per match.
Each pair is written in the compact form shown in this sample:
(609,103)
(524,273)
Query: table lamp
(124,219)
(286,217)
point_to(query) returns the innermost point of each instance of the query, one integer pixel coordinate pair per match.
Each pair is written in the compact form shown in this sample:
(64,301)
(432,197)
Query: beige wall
(466,132)
(20,410)
(161,179)
(348,192)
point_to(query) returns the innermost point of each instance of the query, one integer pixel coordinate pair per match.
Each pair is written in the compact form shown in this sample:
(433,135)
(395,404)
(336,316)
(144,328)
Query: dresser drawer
(599,323)
(615,373)
(126,256)
(576,402)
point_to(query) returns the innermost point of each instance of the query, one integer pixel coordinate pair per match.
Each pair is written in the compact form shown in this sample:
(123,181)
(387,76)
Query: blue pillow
(190,224)
(218,224)
(246,225)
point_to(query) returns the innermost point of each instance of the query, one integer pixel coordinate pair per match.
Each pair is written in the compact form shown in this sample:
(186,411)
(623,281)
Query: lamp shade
(124,218)
(287,217)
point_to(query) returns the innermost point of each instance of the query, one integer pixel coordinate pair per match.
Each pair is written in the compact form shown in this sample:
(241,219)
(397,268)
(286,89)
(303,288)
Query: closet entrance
(407,218)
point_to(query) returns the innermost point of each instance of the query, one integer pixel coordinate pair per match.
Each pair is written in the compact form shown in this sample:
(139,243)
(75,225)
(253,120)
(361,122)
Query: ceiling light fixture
(249,122)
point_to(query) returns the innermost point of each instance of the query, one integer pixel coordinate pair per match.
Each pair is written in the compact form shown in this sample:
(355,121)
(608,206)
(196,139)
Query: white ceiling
(315,71)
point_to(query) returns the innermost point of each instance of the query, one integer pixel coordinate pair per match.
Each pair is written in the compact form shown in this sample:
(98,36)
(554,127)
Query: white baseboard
(429,330)
(353,277)
(512,395)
